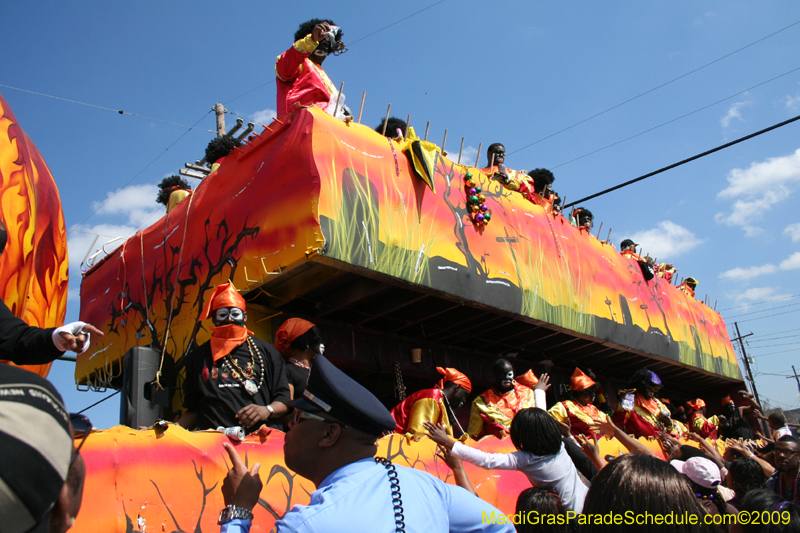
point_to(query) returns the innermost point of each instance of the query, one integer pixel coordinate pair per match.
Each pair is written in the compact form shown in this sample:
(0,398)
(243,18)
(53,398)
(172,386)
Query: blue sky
(510,72)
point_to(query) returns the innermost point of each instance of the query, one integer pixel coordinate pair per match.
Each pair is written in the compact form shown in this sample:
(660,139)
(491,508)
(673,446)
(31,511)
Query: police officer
(331,442)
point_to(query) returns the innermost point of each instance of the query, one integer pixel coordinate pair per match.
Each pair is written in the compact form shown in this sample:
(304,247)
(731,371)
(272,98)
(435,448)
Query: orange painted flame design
(33,267)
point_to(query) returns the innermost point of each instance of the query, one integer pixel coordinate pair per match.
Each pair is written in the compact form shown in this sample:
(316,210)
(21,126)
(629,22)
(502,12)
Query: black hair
(687,452)
(641,379)
(591,391)
(393,125)
(712,495)
(583,216)
(310,340)
(168,186)
(763,500)
(540,502)
(541,179)
(220,147)
(534,431)
(746,475)
(491,149)
(777,418)
(308,27)
(790,438)
(642,484)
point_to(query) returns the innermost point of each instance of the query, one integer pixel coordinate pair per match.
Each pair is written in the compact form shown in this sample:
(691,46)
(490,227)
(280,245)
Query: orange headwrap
(224,295)
(726,400)
(697,404)
(580,381)
(528,379)
(289,331)
(451,374)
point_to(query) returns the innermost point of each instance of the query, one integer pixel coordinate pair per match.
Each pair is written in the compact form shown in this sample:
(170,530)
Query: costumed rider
(583,416)
(544,194)
(688,286)
(172,191)
(299,341)
(436,405)
(218,149)
(492,411)
(639,412)
(234,379)
(582,219)
(28,345)
(299,76)
(332,443)
(707,428)
(735,424)
(512,180)
(628,249)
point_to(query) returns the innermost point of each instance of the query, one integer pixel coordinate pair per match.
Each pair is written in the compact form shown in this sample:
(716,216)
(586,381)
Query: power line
(655,88)
(119,111)
(679,163)
(763,310)
(767,316)
(761,302)
(675,119)
(779,344)
(139,173)
(774,339)
(775,353)
(101,401)
(384,28)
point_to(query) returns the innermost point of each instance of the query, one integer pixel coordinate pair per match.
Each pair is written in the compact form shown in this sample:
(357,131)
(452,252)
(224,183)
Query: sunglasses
(303,415)
(83,426)
(785,453)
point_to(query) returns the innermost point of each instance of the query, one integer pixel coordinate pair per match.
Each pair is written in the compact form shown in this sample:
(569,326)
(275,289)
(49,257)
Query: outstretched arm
(634,446)
(457,466)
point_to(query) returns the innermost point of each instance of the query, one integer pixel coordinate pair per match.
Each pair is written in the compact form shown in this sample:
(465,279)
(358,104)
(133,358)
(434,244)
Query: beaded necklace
(795,498)
(299,363)
(246,378)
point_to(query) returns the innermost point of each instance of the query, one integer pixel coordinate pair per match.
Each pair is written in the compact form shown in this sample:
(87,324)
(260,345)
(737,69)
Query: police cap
(332,392)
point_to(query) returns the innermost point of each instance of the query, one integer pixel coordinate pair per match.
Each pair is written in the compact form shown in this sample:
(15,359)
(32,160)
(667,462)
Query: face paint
(230,314)
(321,348)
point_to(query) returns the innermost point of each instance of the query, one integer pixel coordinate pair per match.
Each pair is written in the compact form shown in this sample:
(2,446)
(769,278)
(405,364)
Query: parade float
(378,242)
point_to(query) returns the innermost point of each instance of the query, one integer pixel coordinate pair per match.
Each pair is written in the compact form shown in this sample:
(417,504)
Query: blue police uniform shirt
(358,497)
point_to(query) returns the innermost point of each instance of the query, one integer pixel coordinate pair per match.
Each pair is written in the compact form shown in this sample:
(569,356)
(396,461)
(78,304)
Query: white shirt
(545,471)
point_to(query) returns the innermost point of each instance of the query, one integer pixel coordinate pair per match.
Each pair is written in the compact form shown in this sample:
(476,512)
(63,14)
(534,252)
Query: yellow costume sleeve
(697,423)
(475,421)
(175,198)
(714,421)
(306,45)
(559,412)
(426,410)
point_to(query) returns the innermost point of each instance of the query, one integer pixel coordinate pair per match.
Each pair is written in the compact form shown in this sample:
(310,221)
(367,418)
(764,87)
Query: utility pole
(219,109)
(739,338)
(796,378)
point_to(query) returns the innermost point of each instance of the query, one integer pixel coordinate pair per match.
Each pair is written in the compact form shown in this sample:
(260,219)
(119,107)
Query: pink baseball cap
(702,471)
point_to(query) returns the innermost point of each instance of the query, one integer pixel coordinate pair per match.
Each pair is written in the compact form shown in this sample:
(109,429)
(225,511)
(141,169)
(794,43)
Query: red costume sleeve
(289,64)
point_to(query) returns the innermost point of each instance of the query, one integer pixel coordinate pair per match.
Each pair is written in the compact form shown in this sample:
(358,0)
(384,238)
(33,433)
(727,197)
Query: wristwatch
(231,512)
(271,411)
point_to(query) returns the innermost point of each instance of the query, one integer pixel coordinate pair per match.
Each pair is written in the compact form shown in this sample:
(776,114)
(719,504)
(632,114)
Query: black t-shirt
(298,378)
(216,395)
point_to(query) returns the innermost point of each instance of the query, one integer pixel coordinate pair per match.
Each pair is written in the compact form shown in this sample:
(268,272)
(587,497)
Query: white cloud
(264,116)
(758,187)
(81,238)
(666,240)
(792,231)
(756,294)
(741,274)
(734,112)
(792,102)
(791,262)
(136,202)
(467,155)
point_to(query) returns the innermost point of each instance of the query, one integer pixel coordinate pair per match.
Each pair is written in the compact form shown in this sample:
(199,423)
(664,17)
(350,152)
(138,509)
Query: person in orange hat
(299,341)
(493,410)
(436,405)
(583,416)
(234,379)
(735,424)
(698,423)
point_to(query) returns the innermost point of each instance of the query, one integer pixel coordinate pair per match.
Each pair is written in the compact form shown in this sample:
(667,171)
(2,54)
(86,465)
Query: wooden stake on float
(408,123)
(386,120)
(609,235)
(444,141)
(478,157)
(426,130)
(599,230)
(460,150)
(338,96)
(360,111)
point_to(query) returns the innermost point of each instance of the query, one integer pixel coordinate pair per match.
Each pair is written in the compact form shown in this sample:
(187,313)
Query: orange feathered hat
(580,381)
(696,404)
(451,374)
(224,295)
(726,400)
(528,379)
(289,331)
